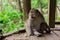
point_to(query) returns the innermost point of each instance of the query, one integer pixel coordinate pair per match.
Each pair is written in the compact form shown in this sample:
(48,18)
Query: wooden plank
(33,38)
(52,36)
(42,38)
(57,28)
(57,22)
(52,8)
(57,33)
(22,30)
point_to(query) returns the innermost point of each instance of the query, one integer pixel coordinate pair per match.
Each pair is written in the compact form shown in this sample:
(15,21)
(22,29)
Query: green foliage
(11,19)
(7,6)
(58,2)
(58,19)
(8,19)
(36,4)
(44,4)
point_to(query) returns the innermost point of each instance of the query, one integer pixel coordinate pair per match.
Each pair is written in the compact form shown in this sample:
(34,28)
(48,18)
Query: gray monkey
(35,24)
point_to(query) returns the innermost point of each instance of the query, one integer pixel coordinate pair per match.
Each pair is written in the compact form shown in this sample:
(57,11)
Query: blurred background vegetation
(11,18)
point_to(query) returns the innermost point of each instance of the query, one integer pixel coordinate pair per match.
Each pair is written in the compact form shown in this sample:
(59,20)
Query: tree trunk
(0,5)
(26,8)
(19,4)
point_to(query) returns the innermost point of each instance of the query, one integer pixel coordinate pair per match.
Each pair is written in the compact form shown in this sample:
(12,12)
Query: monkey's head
(34,13)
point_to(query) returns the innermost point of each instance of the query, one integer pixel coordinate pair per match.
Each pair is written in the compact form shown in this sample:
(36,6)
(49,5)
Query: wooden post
(52,9)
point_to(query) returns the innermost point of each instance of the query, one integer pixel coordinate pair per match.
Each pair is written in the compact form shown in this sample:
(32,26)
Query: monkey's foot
(37,34)
(48,31)
(29,35)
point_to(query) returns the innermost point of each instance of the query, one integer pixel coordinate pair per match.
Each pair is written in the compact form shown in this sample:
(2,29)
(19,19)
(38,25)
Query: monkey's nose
(32,19)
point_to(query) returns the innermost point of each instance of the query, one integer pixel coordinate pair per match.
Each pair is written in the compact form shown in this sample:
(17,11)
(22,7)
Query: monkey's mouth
(33,17)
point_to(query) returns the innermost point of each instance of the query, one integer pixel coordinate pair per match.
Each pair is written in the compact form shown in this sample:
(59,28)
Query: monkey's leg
(41,28)
(31,30)
(37,33)
(48,30)
(46,27)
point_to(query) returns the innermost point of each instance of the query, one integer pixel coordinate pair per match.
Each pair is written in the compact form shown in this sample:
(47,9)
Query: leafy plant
(8,19)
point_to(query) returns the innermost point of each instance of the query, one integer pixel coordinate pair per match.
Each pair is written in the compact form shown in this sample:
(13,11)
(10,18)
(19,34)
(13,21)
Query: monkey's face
(34,13)
(32,16)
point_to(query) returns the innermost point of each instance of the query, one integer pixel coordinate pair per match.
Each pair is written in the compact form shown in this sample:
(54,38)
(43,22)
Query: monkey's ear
(38,13)
(37,10)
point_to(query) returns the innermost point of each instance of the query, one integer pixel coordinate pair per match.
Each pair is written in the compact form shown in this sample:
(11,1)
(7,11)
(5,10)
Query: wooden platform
(55,35)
